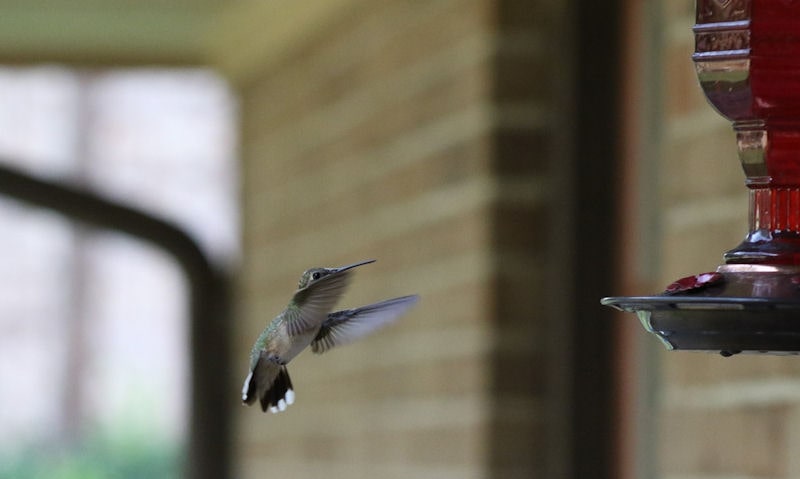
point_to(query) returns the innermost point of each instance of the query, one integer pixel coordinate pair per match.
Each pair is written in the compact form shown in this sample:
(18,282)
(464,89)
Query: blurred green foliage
(95,458)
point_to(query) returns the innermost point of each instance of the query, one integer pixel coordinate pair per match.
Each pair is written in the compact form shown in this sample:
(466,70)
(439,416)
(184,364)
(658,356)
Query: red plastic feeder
(747,57)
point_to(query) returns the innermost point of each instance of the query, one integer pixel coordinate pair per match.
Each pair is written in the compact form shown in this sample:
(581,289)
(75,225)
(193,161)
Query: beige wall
(415,133)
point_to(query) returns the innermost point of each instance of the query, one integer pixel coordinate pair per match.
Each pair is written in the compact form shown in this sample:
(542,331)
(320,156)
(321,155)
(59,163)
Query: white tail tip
(246,385)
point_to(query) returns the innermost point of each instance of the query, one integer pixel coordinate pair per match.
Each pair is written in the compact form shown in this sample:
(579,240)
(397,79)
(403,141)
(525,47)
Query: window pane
(94,357)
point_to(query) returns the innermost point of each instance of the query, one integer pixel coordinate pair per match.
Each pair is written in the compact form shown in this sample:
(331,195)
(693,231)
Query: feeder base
(740,308)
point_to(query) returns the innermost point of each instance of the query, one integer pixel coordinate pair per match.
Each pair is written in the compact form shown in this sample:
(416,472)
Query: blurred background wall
(426,135)
(511,162)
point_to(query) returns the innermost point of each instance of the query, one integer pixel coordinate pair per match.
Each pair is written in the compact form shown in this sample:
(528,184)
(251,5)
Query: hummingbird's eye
(316,275)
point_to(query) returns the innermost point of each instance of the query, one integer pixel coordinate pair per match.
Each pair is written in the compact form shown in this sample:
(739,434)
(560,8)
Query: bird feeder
(747,58)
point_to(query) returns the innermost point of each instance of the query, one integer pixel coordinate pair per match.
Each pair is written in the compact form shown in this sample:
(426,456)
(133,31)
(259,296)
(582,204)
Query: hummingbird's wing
(343,327)
(310,305)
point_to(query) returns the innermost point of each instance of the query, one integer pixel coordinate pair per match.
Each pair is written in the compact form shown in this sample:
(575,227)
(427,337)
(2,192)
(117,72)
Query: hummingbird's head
(312,275)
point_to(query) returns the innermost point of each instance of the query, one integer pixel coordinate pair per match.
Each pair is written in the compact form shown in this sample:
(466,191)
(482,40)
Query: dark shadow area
(557,255)
(597,172)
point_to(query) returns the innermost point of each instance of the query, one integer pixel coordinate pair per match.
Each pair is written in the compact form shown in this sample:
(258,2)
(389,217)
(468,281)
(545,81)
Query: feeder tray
(738,308)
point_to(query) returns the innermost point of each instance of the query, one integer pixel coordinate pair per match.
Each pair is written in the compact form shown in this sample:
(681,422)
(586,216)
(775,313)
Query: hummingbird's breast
(299,343)
(286,346)
(279,341)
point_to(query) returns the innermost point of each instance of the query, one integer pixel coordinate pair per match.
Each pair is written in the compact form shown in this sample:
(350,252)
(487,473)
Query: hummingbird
(308,321)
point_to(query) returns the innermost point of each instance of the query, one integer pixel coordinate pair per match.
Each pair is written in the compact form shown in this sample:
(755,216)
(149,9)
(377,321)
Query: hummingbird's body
(308,321)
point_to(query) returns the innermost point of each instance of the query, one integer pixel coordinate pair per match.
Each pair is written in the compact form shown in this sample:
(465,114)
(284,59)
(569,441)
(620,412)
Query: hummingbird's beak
(351,266)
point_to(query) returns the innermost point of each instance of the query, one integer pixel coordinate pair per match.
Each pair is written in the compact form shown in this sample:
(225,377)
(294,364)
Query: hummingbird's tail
(280,394)
(271,386)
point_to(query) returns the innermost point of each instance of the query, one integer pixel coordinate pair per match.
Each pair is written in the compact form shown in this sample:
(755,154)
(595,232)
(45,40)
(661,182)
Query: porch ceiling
(106,31)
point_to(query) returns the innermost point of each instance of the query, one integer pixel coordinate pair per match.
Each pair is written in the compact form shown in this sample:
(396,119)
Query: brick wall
(717,417)
(415,133)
